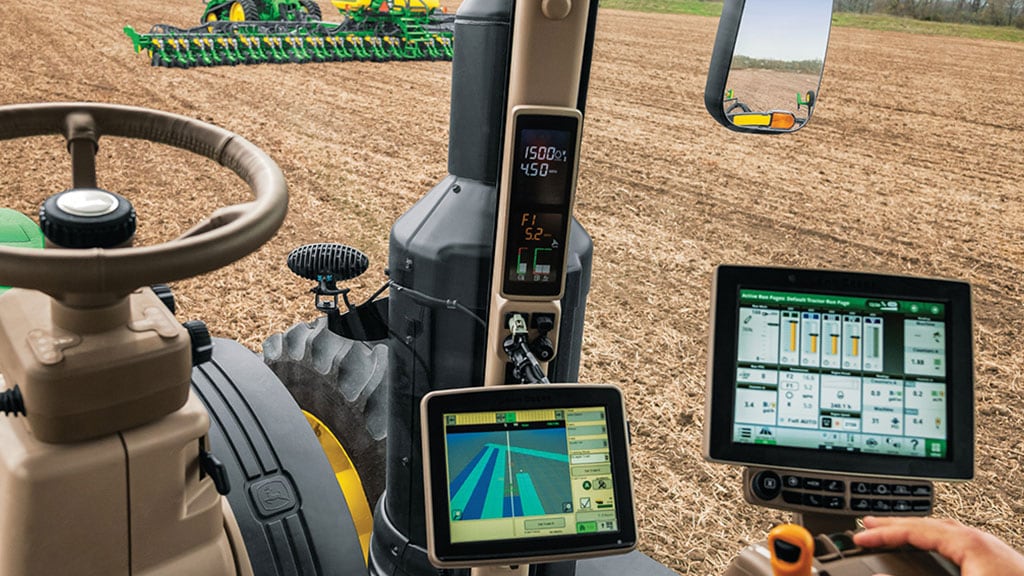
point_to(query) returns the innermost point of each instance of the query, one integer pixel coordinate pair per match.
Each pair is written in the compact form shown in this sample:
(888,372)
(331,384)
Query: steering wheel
(224,237)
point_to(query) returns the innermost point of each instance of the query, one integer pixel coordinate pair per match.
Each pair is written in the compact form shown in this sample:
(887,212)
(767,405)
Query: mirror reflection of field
(909,166)
(767,90)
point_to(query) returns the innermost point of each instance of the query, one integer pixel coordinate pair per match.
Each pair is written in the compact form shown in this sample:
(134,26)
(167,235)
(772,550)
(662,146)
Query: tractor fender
(284,495)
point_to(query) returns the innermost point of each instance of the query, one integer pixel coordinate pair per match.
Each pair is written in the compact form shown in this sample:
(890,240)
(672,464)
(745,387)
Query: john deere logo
(273,496)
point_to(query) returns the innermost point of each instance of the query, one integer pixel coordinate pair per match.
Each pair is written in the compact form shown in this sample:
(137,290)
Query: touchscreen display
(529,473)
(841,373)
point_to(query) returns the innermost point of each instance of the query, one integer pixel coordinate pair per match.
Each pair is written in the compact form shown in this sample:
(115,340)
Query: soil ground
(912,164)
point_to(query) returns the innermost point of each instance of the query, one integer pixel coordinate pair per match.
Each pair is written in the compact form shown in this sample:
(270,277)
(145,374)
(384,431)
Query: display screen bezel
(518,203)
(958,464)
(444,552)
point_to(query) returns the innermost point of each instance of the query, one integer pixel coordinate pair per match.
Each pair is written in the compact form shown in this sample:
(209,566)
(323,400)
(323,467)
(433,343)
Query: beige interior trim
(548,40)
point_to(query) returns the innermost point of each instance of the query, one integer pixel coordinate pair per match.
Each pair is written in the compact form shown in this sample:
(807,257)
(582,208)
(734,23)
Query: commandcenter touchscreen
(829,372)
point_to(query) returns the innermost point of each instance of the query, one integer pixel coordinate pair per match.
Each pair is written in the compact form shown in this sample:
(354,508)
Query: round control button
(88,203)
(556,9)
(766,485)
(87,218)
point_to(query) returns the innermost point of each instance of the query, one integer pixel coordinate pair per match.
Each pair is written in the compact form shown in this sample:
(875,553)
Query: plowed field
(912,164)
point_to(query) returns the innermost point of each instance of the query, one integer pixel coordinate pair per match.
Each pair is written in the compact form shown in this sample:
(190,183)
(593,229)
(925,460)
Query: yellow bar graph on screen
(835,344)
(814,343)
(855,341)
(792,336)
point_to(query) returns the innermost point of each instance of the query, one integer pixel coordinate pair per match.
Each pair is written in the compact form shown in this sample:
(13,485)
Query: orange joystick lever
(792,549)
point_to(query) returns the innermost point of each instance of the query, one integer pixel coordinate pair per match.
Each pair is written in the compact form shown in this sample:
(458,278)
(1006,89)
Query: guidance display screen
(830,372)
(524,474)
(529,473)
(541,194)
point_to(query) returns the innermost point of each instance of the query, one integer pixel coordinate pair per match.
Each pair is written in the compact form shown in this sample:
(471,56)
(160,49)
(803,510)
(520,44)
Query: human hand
(977,553)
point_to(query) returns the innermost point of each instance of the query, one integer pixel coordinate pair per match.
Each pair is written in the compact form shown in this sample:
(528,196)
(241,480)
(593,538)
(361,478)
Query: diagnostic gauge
(543,183)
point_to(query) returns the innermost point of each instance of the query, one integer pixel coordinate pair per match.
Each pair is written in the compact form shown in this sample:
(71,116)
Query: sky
(784,29)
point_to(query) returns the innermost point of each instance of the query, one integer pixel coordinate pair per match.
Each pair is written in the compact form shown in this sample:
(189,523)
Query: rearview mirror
(767,63)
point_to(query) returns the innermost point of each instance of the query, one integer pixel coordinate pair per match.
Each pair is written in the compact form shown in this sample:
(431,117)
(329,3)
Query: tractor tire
(342,382)
(215,11)
(312,9)
(244,10)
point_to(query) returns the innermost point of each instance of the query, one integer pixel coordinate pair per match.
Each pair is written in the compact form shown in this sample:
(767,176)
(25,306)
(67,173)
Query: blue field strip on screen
(495,500)
(461,497)
(459,480)
(511,507)
(475,506)
(529,499)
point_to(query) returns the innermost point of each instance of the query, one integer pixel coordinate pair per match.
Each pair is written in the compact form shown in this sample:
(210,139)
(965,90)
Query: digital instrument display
(542,183)
(530,479)
(841,371)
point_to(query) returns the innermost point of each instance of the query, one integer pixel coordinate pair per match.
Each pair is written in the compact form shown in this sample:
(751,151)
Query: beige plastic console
(102,477)
(547,54)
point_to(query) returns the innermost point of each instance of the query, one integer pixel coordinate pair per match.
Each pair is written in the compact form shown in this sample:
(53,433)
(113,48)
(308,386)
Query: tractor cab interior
(138,445)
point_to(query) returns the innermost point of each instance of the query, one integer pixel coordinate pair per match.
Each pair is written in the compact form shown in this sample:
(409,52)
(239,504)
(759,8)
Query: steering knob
(87,218)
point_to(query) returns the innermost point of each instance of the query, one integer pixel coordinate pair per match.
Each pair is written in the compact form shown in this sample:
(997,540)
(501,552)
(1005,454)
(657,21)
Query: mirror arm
(721,59)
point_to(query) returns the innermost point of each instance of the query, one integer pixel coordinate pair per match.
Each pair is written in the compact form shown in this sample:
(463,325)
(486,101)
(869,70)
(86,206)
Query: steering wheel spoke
(83,143)
(220,217)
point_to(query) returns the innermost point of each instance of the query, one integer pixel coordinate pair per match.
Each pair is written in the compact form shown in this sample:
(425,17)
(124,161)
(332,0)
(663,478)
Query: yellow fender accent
(348,479)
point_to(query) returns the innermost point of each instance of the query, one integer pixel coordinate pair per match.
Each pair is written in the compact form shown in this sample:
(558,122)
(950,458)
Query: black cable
(525,366)
(378,292)
(450,304)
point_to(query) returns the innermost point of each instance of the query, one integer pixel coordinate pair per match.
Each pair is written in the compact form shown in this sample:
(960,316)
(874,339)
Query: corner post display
(442,251)
(536,188)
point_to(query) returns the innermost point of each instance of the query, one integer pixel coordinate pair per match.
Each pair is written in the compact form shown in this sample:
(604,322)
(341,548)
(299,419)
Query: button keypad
(838,495)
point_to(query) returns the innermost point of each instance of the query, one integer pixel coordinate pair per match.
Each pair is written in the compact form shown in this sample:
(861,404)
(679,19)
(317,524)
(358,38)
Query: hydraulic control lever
(792,549)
